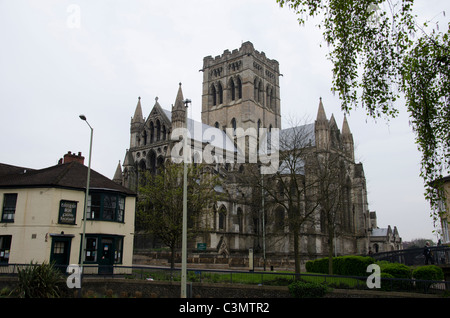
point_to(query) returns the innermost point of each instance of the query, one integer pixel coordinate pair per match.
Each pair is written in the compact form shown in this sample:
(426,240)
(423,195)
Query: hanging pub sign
(67,212)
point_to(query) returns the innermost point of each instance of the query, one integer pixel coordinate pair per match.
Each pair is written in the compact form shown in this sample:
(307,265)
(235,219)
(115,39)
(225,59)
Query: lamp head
(83,117)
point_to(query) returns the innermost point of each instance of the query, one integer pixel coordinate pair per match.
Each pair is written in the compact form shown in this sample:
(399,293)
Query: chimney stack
(70,157)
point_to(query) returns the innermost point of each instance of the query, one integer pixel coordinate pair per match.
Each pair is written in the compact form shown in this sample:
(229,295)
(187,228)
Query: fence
(267,278)
(414,256)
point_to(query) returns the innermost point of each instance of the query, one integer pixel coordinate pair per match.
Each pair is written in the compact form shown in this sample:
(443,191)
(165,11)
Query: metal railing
(266,278)
(414,256)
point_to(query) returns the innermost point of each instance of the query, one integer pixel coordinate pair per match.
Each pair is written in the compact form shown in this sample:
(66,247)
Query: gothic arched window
(239,88)
(260,93)
(259,126)
(164,132)
(152,162)
(213,95)
(232,90)
(222,217)
(233,124)
(269,97)
(158,130)
(144,135)
(269,138)
(279,219)
(220,93)
(238,220)
(152,132)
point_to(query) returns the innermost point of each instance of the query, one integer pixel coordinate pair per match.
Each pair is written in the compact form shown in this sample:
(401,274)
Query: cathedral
(241,90)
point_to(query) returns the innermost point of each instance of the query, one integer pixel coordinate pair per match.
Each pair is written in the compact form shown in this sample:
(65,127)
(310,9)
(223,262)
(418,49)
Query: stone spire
(347,140)
(321,112)
(345,127)
(138,118)
(322,128)
(137,123)
(118,174)
(178,110)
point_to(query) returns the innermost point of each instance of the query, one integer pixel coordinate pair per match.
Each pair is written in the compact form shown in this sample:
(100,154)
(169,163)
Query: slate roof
(71,175)
(216,137)
(9,169)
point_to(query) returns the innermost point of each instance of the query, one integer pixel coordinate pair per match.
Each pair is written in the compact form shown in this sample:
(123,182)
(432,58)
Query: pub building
(42,216)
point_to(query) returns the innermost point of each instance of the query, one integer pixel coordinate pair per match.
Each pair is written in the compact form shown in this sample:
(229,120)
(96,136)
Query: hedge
(301,289)
(342,265)
(428,272)
(397,270)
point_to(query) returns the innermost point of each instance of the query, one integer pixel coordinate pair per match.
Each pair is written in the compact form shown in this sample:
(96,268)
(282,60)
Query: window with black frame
(5,246)
(97,245)
(9,207)
(106,207)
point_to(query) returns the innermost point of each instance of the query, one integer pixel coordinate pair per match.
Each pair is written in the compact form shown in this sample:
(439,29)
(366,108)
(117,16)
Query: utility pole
(184,234)
(86,197)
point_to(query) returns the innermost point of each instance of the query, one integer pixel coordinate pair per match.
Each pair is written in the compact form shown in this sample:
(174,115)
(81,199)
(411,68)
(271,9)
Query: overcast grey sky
(53,68)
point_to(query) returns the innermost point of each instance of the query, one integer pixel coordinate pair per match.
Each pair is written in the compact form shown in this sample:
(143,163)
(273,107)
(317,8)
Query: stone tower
(241,89)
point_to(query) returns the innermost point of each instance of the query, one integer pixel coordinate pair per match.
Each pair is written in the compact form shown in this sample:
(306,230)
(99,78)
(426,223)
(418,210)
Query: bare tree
(161,198)
(328,170)
(288,188)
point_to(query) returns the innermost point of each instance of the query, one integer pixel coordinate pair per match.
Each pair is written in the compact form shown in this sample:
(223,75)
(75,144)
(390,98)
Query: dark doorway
(106,260)
(60,251)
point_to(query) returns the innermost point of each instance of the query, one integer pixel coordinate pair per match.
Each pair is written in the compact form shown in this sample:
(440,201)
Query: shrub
(397,275)
(38,281)
(397,270)
(353,265)
(317,266)
(301,289)
(342,265)
(428,272)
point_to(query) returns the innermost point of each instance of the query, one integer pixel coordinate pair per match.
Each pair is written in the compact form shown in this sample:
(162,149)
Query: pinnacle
(345,127)
(321,112)
(138,118)
(179,100)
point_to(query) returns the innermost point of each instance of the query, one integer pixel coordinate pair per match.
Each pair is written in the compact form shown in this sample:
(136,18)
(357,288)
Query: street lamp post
(83,254)
(184,233)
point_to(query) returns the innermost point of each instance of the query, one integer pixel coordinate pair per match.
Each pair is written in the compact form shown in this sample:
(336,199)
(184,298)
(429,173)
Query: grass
(283,278)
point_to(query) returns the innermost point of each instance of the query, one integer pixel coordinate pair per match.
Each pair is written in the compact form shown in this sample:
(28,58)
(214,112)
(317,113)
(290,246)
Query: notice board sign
(67,212)
(201,246)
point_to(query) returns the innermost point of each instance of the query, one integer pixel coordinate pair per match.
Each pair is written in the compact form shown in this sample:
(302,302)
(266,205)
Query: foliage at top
(379,54)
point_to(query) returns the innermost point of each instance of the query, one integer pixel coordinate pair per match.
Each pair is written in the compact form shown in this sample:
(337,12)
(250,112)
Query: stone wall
(214,261)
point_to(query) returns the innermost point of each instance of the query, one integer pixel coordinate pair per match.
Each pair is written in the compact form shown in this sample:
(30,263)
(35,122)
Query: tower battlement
(246,48)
